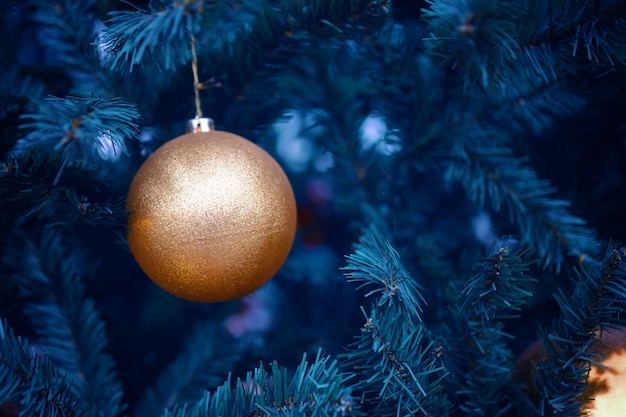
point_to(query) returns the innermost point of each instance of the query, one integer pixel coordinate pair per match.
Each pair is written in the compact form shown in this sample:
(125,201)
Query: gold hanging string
(196,80)
(199,123)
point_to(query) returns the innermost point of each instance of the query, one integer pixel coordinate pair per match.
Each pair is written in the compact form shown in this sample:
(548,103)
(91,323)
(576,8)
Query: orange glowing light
(607,386)
(606,395)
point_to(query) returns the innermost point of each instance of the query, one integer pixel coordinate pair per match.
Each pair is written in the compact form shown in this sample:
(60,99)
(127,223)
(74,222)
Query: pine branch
(70,333)
(595,305)
(399,368)
(497,292)
(84,130)
(17,96)
(490,176)
(477,37)
(500,286)
(208,356)
(530,107)
(478,157)
(333,114)
(376,264)
(318,389)
(14,86)
(70,29)
(485,40)
(30,383)
(30,188)
(273,40)
(596,30)
(11,371)
(162,36)
(397,362)
(294,20)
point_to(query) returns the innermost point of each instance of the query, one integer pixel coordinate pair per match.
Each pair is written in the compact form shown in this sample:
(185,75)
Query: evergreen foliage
(594,306)
(70,29)
(66,324)
(460,146)
(507,184)
(162,35)
(318,389)
(33,185)
(30,383)
(191,374)
(83,130)
(482,358)
(395,358)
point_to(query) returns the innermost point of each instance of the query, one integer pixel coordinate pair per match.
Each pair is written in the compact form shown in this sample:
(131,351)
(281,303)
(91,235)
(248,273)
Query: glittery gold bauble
(212,216)
(606,395)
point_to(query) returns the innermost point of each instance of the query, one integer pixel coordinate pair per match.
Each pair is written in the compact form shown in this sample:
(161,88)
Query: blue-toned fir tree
(458,168)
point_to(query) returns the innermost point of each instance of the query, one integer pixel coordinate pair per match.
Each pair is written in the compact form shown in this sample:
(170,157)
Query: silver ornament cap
(199,124)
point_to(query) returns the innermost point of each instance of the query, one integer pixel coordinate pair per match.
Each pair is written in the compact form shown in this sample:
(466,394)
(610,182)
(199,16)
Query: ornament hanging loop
(196,78)
(198,123)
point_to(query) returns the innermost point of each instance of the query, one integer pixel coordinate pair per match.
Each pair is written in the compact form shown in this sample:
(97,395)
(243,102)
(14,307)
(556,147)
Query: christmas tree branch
(15,87)
(396,360)
(30,189)
(498,290)
(70,30)
(84,130)
(490,175)
(273,41)
(500,286)
(30,384)
(294,21)
(595,305)
(477,37)
(533,107)
(596,30)
(316,389)
(12,372)
(162,36)
(69,331)
(376,265)
(18,95)
(486,39)
(208,356)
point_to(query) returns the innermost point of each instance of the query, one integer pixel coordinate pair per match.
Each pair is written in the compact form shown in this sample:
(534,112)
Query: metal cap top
(199,124)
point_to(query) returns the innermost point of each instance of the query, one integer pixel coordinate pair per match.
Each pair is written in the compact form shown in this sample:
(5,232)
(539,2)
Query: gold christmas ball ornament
(212,216)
